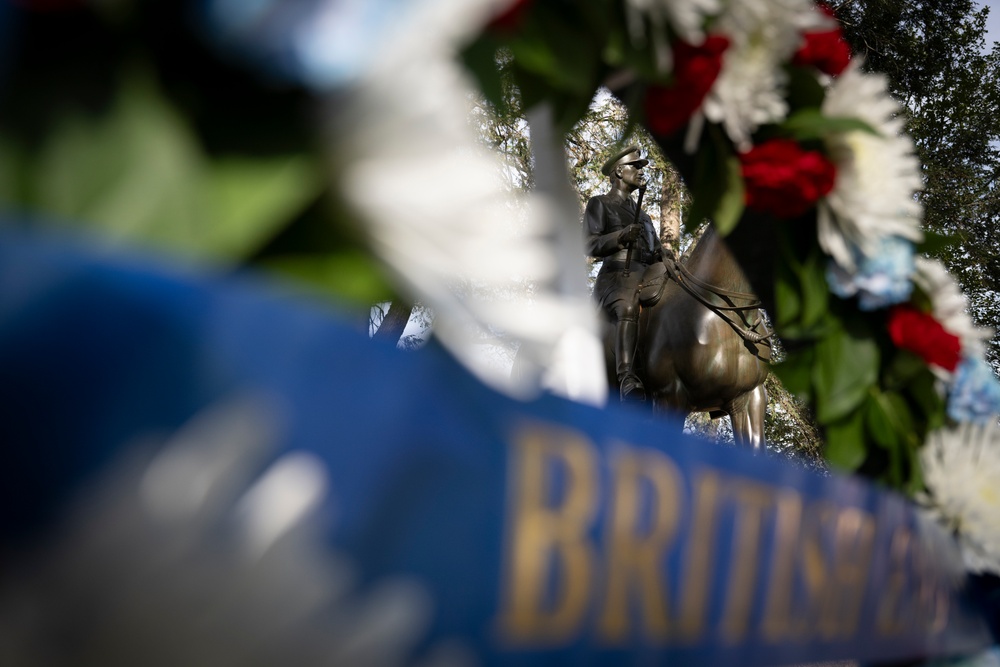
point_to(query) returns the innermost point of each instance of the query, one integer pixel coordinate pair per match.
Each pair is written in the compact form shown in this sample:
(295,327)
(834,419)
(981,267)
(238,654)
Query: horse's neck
(713,262)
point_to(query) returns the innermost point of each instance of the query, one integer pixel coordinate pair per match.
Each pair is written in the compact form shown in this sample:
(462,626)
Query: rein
(689,282)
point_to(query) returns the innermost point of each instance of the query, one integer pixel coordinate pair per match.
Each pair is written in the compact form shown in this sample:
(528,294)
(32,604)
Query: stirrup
(631,389)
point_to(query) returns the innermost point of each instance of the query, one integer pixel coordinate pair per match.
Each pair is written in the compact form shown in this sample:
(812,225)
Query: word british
(627,545)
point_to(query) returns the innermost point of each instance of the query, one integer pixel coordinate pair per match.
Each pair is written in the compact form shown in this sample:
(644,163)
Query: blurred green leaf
(788,302)
(717,189)
(801,291)
(730,205)
(882,421)
(804,89)
(923,388)
(481,58)
(847,362)
(562,52)
(138,175)
(795,371)
(845,442)
(810,124)
(350,275)
(250,199)
(815,291)
(903,368)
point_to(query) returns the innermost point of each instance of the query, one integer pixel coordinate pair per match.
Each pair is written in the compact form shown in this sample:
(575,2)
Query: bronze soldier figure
(628,244)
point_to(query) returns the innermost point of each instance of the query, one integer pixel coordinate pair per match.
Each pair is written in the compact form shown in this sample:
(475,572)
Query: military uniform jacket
(605,217)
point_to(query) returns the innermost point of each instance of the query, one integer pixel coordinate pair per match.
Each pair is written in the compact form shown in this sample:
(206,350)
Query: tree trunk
(670,211)
(394,322)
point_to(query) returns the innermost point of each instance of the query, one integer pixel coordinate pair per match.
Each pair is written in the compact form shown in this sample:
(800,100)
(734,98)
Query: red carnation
(826,51)
(914,330)
(510,19)
(784,179)
(668,108)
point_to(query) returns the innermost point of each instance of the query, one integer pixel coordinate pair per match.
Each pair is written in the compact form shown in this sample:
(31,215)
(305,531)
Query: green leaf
(884,421)
(249,200)
(480,58)
(12,170)
(815,291)
(562,52)
(788,302)
(349,275)
(795,371)
(810,124)
(847,362)
(915,484)
(138,175)
(801,291)
(845,442)
(903,368)
(804,89)
(729,207)
(922,387)
(718,184)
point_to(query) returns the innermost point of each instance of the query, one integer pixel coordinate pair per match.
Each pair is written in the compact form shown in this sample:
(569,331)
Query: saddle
(651,286)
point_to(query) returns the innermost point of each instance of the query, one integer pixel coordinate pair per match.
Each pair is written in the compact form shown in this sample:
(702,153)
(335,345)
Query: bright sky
(993,22)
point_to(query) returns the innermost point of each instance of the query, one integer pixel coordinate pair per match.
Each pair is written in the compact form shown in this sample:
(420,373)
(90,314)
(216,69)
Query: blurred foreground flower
(784,179)
(669,108)
(877,174)
(447,228)
(750,90)
(974,394)
(949,305)
(961,467)
(880,279)
(914,330)
(826,50)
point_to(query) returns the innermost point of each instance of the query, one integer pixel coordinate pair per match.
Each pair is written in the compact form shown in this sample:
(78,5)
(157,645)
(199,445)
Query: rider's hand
(628,235)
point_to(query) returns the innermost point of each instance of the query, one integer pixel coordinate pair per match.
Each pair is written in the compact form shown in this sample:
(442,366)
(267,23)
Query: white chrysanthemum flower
(949,305)
(686,17)
(750,90)
(877,176)
(444,226)
(961,467)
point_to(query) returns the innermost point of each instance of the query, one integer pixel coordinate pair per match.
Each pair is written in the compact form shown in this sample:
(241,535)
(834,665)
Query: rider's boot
(629,385)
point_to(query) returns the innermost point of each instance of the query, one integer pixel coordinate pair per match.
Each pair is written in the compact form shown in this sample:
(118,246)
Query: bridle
(698,289)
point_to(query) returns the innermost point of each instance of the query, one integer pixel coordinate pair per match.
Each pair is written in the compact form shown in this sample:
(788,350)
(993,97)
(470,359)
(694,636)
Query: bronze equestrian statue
(620,233)
(701,343)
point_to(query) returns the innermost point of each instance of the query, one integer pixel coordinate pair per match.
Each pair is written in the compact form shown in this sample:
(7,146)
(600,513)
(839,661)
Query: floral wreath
(775,127)
(779,134)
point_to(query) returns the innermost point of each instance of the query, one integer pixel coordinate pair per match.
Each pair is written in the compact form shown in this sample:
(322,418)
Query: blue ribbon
(546,532)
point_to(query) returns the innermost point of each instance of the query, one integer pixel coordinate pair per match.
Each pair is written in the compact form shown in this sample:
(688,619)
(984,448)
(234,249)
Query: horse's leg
(747,416)
(757,410)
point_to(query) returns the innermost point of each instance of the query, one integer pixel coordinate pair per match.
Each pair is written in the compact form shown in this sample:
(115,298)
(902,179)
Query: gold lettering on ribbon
(700,558)
(815,568)
(854,542)
(777,625)
(889,618)
(636,558)
(828,551)
(751,502)
(548,536)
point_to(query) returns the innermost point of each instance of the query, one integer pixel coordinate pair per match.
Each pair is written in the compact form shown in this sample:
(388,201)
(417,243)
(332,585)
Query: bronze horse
(702,345)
